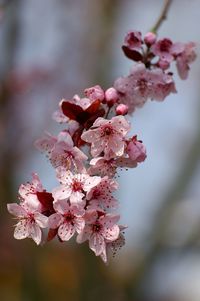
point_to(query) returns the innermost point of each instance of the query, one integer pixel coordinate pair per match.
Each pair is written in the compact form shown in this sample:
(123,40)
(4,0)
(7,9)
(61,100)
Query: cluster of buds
(91,148)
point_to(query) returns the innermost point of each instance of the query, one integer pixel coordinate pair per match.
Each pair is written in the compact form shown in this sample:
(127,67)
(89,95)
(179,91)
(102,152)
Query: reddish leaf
(51,234)
(46,200)
(71,110)
(132,54)
(75,112)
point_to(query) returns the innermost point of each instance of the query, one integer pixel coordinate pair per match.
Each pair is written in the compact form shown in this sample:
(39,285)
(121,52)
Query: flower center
(96,227)
(165,45)
(96,193)
(132,39)
(31,217)
(107,131)
(142,84)
(69,217)
(77,186)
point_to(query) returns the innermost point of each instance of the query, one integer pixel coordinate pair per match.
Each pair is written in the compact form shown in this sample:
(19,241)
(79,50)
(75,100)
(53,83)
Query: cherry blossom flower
(68,219)
(113,247)
(132,47)
(184,59)
(30,222)
(133,40)
(74,186)
(166,50)
(95,93)
(100,229)
(61,151)
(28,192)
(101,196)
(142,84)
(107,136)
(136,150)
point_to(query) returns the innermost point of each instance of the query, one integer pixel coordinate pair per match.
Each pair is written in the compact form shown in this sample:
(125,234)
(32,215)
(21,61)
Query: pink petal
(109,219)
(112,233)
(97,244)
(55,220)
(41,220)
(66,231)
(61,193)
(61,206)
(77,197)
(79,224)
(21,229)
(35,233)
(16,210)
(84,235)
(65,137)
(91,182)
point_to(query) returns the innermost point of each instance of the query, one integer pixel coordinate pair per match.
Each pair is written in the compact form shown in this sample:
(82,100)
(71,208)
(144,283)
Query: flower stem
(162,17)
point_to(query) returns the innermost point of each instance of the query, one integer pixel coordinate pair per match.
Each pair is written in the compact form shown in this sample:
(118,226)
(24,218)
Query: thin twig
(162,16)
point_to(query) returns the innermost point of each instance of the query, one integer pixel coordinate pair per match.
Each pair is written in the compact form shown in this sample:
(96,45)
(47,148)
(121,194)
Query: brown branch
(162,17)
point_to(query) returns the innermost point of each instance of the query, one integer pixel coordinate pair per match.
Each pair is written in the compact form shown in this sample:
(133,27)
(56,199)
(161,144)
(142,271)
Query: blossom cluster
(94,144)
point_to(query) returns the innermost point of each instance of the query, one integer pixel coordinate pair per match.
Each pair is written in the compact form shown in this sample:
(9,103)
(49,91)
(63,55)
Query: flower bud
(111,96)
(149,38)
(121,109)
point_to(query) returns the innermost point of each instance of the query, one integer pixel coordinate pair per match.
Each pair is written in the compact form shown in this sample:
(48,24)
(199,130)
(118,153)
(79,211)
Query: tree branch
(162,17)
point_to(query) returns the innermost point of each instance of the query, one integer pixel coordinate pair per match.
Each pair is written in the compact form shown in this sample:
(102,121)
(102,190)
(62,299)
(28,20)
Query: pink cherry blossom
(61,151)
(30,222)
(143,84)
(184,59)
(74,186)
(133,40)
(101,196)
(114,246)
(95,93)
(107,136)
(136,150)
(100,229)
(68,219)
(28,192)
(165,49)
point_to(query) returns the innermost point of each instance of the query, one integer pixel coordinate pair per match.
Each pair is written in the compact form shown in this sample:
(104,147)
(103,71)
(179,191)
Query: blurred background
(52,49)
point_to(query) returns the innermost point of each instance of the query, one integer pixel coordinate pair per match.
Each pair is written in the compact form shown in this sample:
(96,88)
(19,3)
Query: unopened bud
(122,109)
(149,38)
(111,96)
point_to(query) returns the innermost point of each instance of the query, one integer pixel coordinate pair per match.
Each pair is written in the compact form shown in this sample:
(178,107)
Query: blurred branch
(162,17)
(162,218)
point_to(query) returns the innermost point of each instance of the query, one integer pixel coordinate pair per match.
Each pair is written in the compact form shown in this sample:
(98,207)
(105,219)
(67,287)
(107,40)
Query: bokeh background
(50,49)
